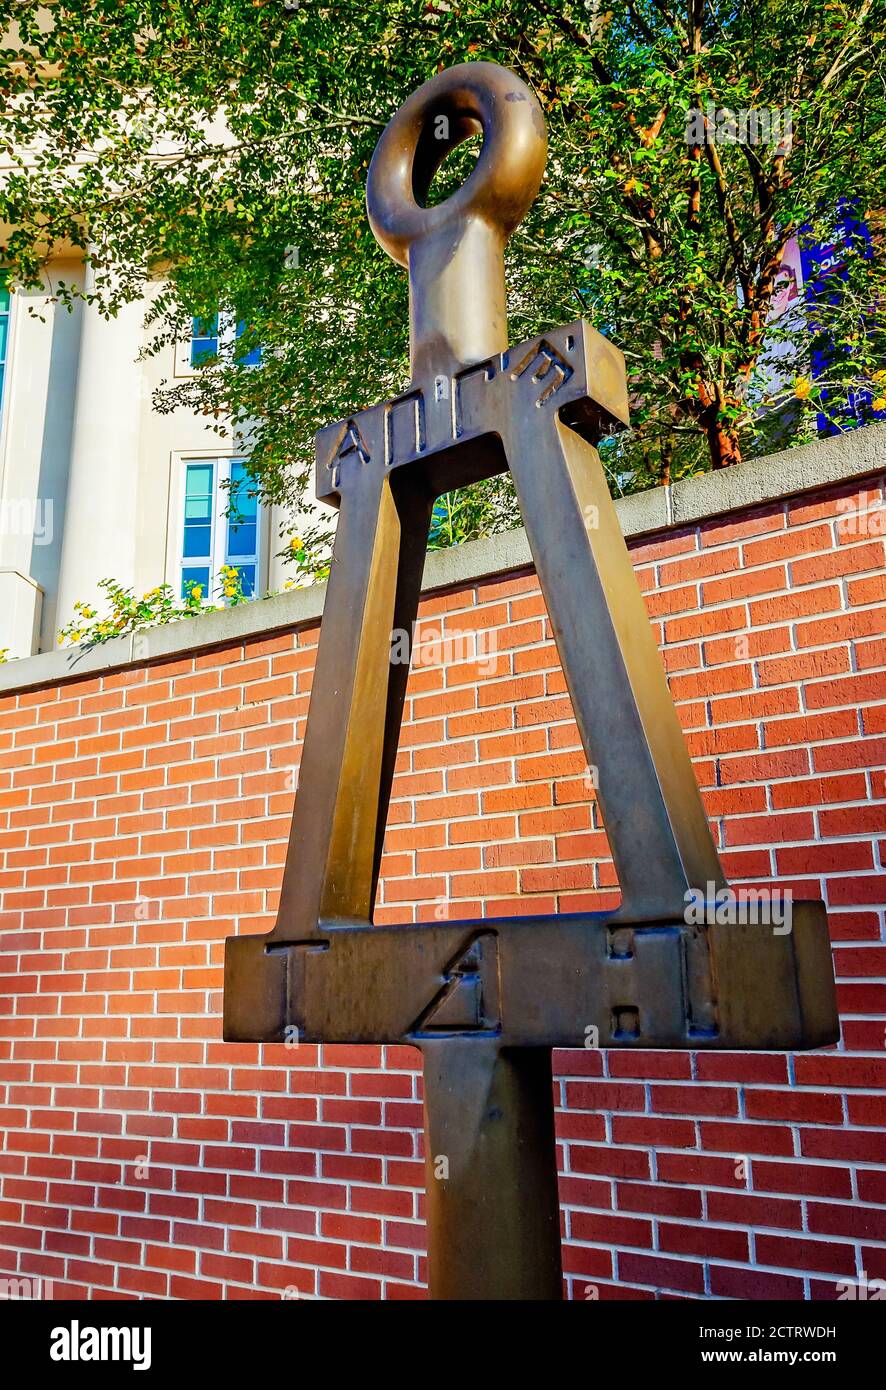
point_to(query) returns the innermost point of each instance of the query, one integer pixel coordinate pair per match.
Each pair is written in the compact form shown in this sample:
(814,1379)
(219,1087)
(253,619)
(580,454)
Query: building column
(100,520)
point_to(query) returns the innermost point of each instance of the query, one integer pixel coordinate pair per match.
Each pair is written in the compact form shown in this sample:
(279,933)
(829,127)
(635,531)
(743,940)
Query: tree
(221,147)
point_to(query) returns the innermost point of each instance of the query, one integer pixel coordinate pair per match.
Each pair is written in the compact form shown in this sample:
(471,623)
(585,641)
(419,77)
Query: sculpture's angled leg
(356,704)
(414,512)
(491,1162)
(651,806)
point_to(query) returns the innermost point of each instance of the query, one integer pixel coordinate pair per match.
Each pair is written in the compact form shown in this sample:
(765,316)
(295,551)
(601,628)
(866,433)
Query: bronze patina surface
(486,1000)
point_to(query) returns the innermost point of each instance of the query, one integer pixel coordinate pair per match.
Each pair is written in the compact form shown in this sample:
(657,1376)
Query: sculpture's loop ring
(455,104)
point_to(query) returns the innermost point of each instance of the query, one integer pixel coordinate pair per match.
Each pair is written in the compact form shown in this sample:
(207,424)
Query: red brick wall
(144,817)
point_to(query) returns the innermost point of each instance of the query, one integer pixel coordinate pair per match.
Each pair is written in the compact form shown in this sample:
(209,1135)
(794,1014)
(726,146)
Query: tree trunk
(723,444)
(722,438)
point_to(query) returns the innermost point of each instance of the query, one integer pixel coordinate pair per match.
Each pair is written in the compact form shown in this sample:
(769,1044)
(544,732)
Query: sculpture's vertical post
(491,1161)
(493,1216)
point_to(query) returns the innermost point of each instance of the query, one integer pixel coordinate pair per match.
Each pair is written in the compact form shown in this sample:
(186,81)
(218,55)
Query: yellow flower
(196,591)
(230,590)
(880,376)
(802,388)
(296,544)
(880,403)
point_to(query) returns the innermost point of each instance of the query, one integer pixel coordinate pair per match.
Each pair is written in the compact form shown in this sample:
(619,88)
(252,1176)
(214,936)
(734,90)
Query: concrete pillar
(21,603)
(35,443)
(100,521)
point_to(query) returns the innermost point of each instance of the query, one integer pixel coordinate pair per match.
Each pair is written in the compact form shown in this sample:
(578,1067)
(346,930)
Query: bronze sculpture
(486,1001)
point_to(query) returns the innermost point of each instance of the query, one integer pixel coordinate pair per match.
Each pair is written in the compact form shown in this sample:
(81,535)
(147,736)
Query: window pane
(247,578)
(198,480)
(194,574)
(202,349)
(243,521)
(204,339)
(241,540)
(4,332)
(253,356)
(198,509)
(244,502)
(198,540)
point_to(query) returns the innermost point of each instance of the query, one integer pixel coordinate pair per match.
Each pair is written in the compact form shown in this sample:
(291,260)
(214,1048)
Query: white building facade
(95,483)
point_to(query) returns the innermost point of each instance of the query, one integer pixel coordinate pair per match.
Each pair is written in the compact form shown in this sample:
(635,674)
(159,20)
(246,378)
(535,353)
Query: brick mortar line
(505,704)
(848,1204)
(406,800)
(727,1261)
(712,1261)
(703,1221)
(285,1146)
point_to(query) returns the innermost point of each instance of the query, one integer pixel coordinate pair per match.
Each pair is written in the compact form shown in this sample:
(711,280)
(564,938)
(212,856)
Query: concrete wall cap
(843,458)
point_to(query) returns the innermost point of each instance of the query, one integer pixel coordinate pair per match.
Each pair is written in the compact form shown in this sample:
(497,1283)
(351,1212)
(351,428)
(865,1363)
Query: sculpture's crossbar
(569,367)
(568,981)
